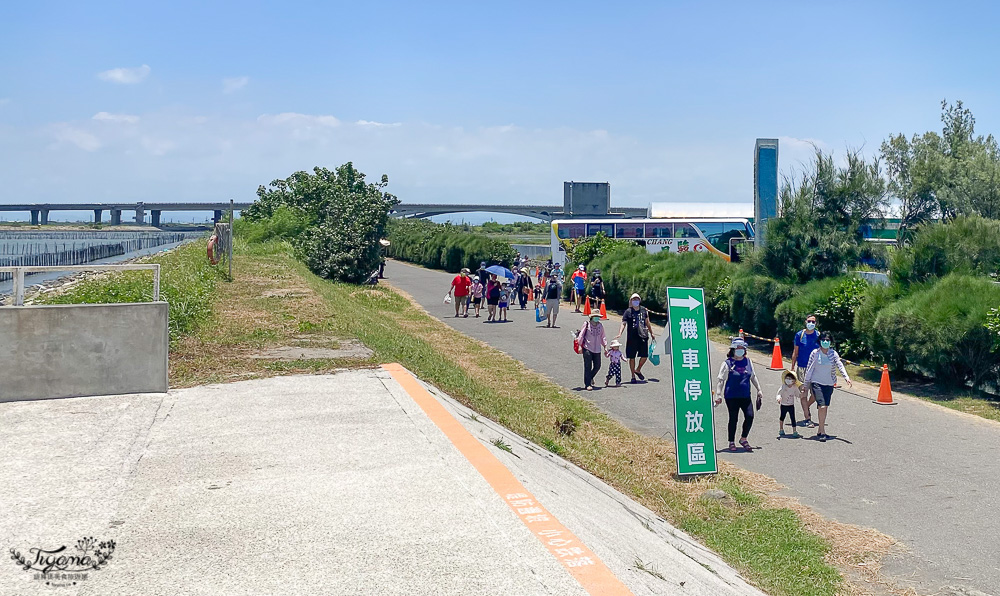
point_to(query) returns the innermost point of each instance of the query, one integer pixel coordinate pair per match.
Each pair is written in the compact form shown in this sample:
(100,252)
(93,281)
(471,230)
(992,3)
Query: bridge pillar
(155,218)
(116,217)
(97,215)
(45,217)
(140,215)
(218,216)
(34,217)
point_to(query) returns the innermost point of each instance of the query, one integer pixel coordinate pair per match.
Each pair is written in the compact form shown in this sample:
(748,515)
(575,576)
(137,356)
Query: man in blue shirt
(806,340)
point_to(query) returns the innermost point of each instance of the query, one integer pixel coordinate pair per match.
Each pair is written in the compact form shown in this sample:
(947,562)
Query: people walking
(592,341)
(492,297)
(477,290)
(597,289)
(484,275)
(460,289)
(523,287)
(636,322)
(553,291)
(505,299)
(821,373)
(735,377)
(788,393)
(579,280)
(806,340)
(614,355)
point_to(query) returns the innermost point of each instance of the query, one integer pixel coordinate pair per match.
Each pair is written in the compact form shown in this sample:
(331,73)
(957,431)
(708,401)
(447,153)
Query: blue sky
(462,102)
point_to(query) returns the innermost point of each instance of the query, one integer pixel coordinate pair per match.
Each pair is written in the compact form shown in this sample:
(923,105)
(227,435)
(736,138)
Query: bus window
(684,230)
(571,230)
(607,228)
(624,230)
(718,233)
(659,230)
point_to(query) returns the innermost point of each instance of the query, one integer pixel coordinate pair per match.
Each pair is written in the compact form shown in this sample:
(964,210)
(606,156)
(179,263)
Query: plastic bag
(653,356)
(538,315)
(447,298)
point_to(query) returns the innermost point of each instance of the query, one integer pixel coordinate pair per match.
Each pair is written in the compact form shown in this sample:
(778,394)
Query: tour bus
(678,227)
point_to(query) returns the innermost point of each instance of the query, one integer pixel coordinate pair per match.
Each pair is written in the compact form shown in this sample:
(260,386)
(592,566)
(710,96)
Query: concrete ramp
(335,484)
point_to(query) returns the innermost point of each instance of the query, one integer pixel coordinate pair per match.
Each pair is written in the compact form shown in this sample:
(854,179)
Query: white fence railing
(20,271)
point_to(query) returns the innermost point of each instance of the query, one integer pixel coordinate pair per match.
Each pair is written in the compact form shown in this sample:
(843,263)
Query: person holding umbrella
(492,297)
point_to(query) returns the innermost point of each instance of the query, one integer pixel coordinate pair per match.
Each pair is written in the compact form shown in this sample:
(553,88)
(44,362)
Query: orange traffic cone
(776,363)
(586,306)
(604,311)
(885,389)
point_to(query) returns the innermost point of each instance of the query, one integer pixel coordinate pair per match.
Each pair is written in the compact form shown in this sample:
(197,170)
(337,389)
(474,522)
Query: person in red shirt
(460,289)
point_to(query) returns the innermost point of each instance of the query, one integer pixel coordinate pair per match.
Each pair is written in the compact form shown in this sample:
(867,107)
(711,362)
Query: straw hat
(615,344)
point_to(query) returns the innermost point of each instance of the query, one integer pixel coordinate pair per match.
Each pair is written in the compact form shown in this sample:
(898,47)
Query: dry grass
(267,306)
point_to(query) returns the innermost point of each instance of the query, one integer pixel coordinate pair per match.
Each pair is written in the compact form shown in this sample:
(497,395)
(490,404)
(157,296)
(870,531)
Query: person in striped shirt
(821,375)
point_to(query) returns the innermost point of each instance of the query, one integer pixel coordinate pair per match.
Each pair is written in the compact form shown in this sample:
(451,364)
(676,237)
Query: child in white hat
(614,354)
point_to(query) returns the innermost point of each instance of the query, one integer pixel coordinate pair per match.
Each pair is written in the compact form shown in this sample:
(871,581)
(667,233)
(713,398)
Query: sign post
(694,425)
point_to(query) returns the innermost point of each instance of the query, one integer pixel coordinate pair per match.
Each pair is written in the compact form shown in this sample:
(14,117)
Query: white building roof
(696,210)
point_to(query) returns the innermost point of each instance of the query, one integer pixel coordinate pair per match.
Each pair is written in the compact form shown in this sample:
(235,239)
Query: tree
(818,231)
(944,175)
(345,218)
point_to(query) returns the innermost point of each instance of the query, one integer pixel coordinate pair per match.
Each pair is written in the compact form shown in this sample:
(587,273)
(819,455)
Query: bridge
(542,212)
(40,211)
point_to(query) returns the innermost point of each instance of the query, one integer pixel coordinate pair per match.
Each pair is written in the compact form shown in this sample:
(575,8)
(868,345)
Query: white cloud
(232,84)
(108,117)
(66,134)
(296,119)
(377,124)
(180,155)
(125,76)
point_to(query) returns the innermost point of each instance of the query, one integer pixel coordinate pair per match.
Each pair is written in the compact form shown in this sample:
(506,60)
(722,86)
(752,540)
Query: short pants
(823,394)
(636,347)
(477,301)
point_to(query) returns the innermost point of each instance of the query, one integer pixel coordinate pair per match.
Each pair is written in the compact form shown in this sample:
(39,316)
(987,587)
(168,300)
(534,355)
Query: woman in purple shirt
(592,342)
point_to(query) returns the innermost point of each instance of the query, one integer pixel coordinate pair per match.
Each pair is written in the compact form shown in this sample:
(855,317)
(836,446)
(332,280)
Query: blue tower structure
(765,186)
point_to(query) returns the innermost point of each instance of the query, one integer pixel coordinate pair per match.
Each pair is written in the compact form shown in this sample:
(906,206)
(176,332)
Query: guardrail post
(19,287)
(156,282)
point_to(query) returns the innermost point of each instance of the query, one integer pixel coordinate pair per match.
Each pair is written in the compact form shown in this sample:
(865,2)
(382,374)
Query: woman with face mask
(822,376)
(806,340)
(636,321)
(592,342)
(735,378)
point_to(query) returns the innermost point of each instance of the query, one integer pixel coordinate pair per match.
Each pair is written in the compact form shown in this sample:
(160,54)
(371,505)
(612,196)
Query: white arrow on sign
(691,302)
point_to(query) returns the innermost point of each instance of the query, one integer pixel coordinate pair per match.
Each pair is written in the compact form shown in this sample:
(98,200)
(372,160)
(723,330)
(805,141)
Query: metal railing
(19,272)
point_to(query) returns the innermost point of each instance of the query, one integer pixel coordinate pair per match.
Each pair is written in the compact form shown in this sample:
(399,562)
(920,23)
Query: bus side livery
(710,235)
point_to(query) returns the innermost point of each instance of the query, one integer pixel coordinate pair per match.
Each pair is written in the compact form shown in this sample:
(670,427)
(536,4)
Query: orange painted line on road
(593,575)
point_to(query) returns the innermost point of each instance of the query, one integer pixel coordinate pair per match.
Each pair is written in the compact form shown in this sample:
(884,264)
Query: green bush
(284,223)
(969,245)
(333,218)
(443,246)
(835,302)
(754,301)
(187,283)
(941,331)
(593,247)
(869,343)
(993,325)
(632,269)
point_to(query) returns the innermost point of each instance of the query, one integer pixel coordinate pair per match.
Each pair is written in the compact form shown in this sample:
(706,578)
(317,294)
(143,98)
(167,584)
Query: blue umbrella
(499,271)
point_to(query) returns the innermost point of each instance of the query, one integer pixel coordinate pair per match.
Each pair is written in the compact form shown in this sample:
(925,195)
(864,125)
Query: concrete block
(82,349)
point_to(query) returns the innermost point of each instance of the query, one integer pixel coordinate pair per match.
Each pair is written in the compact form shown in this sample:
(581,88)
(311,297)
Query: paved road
(358,483)
(925,475)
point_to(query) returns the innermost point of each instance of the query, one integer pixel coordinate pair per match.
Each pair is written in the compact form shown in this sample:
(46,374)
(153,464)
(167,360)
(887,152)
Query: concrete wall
(586,198)
(82,349)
